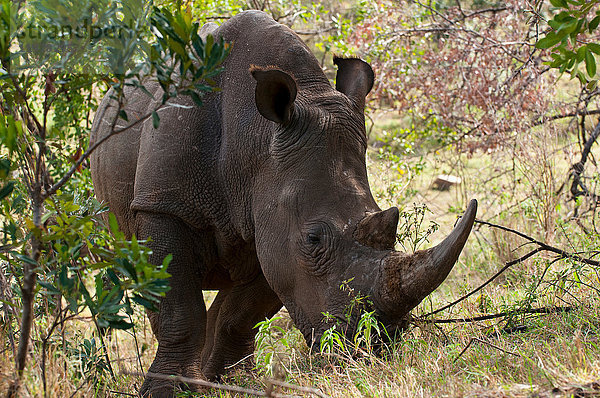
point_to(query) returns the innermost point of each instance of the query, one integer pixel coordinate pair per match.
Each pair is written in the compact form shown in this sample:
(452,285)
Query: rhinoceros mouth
(345,327)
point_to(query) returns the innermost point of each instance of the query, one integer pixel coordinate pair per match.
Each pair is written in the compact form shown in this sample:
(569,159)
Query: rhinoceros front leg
(180,323)
(232,317)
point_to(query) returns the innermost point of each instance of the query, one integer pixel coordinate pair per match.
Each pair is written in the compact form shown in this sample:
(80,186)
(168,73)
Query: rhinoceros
(261,194)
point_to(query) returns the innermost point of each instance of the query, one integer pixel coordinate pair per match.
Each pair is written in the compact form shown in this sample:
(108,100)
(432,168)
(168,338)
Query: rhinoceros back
(199,164)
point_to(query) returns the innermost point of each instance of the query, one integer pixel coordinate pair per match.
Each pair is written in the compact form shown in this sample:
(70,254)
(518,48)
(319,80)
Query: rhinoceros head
(320,237)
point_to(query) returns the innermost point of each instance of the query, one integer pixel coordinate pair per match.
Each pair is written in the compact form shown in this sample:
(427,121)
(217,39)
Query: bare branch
(577,188)
(545,119)
(235,389)
(309,390)
(475,339)
(314,32)
(543,310)
(490,280)
(541,247)
(483,11)
(544,246)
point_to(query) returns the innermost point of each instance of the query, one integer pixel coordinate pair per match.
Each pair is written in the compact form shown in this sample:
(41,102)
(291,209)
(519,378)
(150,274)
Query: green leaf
(144,302)
(128,269)
(64,280)
(568,27)
(48,286)
(594,24)
(580,76)
(7,190)
(550,40)
(559,3)
(10,140)
(208,45)
(112,222)
(123,114)
(167,260)
(581,53)
(26,259)
(590,64)
(594,47)
(196,98)
(155,119)
(120,324)
(113,277)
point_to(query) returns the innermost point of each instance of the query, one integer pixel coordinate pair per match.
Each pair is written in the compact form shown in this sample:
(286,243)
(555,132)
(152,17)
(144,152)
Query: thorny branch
(561,254)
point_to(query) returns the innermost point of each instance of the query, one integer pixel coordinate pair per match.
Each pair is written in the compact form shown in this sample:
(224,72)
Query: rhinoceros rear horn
(354,78)
(378,230)
(275,93)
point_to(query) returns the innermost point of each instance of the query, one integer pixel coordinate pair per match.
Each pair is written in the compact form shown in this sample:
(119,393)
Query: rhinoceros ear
(275,93)
(354,78)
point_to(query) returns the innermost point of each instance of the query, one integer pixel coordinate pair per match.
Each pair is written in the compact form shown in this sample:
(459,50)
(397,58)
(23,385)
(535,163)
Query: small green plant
(357,300)
(412,235)
(267,342)
(89,360)
(274,347)
(367,330)
(332,340)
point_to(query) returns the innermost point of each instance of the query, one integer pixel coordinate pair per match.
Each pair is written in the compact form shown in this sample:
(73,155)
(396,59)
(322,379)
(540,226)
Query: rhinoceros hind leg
(180,323)
(232,318)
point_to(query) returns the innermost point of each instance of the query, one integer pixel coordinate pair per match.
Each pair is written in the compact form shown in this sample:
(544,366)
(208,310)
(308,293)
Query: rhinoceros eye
(313,238)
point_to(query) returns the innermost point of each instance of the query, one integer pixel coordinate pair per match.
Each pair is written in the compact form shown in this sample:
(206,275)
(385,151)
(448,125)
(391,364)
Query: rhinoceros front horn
(404,280)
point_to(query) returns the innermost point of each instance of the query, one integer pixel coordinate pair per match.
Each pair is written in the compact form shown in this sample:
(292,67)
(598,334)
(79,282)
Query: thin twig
(224,387)
(137,348)
(544,310)
(490,280)
(483,11)
(543,246)
(240,361)
(545,119)
(122,393)
(460,354)
(475,339)
(309,390)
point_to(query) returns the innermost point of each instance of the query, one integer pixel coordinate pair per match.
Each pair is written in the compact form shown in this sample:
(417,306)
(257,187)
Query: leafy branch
(62,248)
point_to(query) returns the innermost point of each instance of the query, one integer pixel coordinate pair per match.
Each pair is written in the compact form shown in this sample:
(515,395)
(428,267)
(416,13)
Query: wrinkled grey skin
(262,193)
